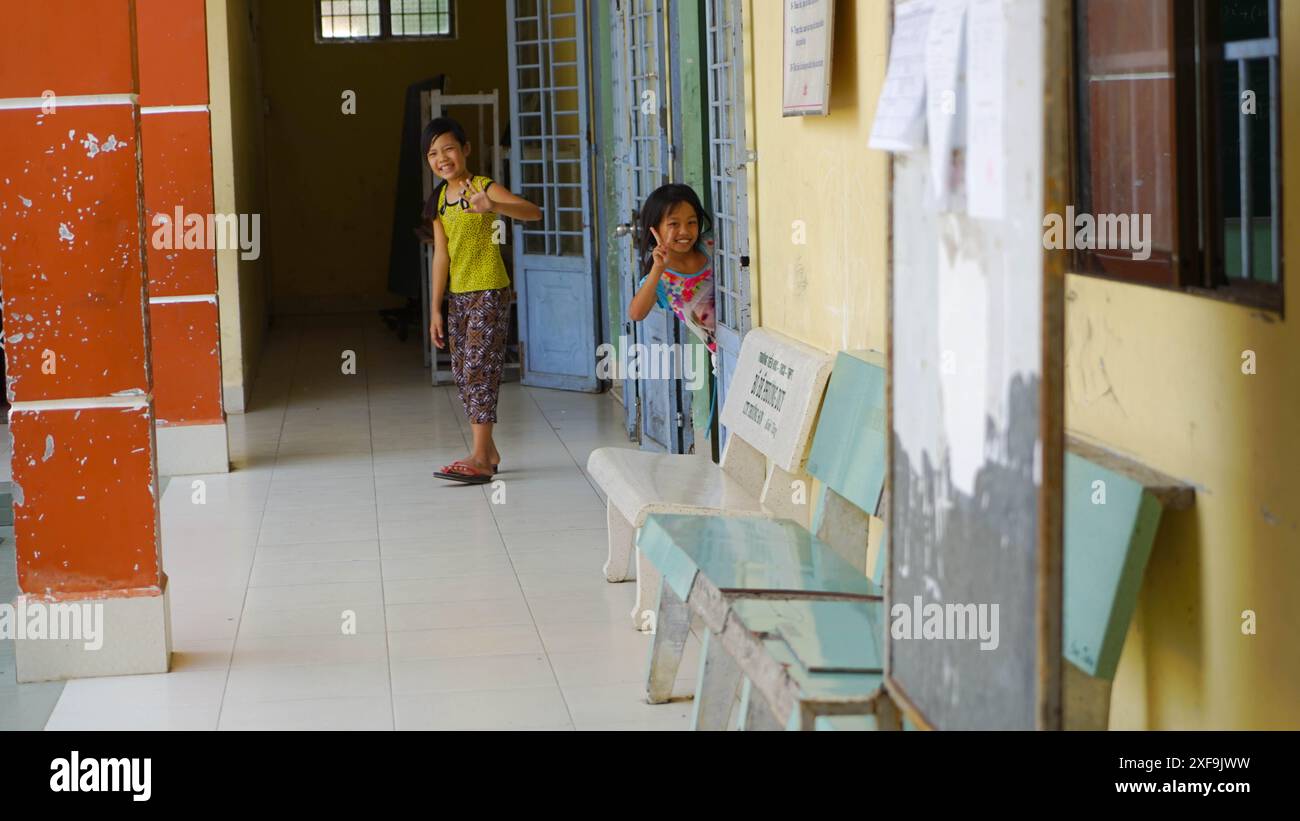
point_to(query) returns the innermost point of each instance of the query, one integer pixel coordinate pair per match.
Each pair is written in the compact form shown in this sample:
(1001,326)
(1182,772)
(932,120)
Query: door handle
(623,230)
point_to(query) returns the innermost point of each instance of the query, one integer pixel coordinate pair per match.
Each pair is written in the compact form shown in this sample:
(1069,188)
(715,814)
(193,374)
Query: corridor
(474,607)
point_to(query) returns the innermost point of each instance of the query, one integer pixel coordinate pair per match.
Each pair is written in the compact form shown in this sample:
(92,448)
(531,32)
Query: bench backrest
(848,451)
(848,456)
(1112,510)
(774,396)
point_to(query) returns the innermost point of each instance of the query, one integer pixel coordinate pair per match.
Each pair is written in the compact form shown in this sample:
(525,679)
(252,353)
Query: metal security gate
(728,159)
(642,151)
(555,274)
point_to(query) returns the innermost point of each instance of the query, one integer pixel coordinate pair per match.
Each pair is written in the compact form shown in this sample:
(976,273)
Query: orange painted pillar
(182,234)
(77,344)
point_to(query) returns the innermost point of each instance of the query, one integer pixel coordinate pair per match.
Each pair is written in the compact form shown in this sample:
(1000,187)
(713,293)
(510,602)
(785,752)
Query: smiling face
(447,157)
(680,228)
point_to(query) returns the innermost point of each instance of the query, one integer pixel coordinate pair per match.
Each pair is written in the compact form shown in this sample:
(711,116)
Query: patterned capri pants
(478,322)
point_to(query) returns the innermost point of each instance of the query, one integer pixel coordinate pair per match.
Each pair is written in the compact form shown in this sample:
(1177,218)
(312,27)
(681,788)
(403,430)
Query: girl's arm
(499,200)
(647,294)
(439,273)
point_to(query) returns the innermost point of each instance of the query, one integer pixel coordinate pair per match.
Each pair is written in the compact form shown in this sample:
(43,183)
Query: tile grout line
(564,699)
(284,415)
(582,472)
(379,542)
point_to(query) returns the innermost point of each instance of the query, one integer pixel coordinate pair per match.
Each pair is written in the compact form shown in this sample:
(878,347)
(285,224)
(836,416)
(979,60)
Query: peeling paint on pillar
(95,488)
(178,174)
(186,362)
(94,271)
(74,297)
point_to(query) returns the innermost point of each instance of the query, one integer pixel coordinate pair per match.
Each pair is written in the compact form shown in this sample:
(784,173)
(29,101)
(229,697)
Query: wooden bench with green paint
(1113,507)
(825,666)
(821,666)
(816,583)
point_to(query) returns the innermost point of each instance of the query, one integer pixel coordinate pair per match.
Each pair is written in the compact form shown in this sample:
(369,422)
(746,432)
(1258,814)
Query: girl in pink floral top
(677,271)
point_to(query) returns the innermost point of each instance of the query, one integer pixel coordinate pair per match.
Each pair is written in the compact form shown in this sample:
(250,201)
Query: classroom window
(1177,129)
(352,20)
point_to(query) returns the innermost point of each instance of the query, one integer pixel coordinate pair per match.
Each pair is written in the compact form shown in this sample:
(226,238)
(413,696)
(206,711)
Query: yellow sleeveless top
(476,263)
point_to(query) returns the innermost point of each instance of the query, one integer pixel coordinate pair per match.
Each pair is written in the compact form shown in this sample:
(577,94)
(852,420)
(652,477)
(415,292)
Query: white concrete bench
(769,413)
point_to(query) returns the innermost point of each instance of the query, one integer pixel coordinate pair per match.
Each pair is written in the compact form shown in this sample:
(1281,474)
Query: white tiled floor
(469,614)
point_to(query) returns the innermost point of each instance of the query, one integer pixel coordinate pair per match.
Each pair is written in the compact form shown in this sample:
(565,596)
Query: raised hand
(479,201)
(659,252)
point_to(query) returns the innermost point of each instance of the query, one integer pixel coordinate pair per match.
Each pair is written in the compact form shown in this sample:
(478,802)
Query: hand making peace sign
(660,251)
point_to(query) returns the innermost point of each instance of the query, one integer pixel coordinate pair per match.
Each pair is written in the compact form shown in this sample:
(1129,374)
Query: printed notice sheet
(900,113)
(808,36)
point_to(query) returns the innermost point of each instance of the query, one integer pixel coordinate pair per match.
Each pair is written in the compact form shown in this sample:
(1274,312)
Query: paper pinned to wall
(900,112)
(985,98)
(945,93)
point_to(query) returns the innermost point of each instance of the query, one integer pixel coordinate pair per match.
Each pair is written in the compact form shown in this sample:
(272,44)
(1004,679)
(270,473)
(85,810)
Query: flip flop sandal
(464,474)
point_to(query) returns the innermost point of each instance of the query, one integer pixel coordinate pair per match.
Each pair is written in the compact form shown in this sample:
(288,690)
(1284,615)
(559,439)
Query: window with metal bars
(370,20)
(1177,120)
(549,69)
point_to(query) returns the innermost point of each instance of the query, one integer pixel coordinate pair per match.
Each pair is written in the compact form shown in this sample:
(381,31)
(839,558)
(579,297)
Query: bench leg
(622,540)
(647,584)
(717,687)
(673,626)
(1085,699)
(888,716)
(754,712)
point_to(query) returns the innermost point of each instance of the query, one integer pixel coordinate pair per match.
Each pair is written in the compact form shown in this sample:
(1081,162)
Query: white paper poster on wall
(809,33)
(945,46)
(900,111)
(985,90)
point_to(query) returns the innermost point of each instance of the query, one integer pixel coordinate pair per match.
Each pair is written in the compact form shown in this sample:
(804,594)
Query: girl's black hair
(659,203)
(435,129)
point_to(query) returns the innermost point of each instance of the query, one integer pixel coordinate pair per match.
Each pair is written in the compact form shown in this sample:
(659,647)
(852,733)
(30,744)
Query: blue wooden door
(555,275)
(641,96)
(728,158)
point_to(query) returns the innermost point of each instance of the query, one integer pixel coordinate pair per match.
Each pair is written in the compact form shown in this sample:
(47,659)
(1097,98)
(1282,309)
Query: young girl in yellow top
(478,312)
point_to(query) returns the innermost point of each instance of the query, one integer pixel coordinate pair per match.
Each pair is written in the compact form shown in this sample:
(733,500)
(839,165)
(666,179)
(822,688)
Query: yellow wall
(829,292)
(1158,375)
(333,176)
(238,187)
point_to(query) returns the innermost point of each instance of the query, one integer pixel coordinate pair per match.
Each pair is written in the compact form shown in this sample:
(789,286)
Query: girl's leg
(485,453)
(459,308)
(462,316)
(485,352)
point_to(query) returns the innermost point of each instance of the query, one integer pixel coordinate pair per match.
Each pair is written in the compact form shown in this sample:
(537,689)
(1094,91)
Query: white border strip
(172,109)
(165,300)
(133,401)
(70,101)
